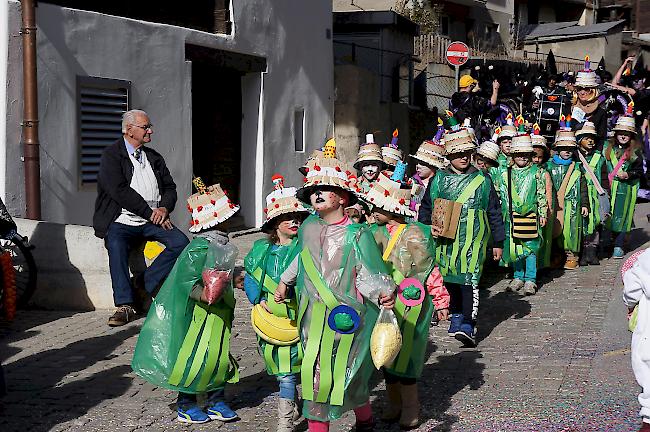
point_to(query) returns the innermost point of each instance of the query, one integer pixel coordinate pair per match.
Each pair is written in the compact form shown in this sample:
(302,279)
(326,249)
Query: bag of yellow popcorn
(386,339)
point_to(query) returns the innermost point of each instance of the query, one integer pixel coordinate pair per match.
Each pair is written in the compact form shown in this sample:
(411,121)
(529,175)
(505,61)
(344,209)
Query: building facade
(236,92)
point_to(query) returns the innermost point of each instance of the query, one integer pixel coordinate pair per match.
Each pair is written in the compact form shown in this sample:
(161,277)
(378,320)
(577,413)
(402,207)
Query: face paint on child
(565,154)
(461,161)
(289,227)
(587,143)
(623,138)
(370,172)
(324,200)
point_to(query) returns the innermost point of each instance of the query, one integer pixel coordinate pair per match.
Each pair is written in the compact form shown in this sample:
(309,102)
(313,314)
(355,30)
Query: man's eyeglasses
(144,127)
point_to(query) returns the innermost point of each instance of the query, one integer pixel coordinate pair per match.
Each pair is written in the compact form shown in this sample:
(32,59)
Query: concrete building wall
(291,35)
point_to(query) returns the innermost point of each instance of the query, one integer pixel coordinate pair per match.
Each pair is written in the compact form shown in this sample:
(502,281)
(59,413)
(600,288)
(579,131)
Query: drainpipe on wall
(30,113)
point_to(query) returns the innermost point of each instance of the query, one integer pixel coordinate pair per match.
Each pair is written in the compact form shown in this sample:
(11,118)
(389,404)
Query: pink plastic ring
(407,283)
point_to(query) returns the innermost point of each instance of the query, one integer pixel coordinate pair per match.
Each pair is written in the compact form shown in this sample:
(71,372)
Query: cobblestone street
(557,361)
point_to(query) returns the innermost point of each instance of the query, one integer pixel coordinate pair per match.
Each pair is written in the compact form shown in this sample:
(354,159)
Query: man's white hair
(129,118)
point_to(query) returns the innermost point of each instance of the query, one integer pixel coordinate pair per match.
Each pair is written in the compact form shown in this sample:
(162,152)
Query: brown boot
(123,315)
(393,407)
(571,261)
(410,418)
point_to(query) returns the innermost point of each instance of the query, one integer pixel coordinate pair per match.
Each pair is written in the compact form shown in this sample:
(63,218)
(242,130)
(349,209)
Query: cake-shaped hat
(326,169)
(521,143)
(390,152)
(508,130)
(537,138)
(432,152)
(588,128)
(565,137)
(369,152)
(391,194)
(318,153)
(489,150)
(626,123)
(586,78)
(209,206)
(281,201)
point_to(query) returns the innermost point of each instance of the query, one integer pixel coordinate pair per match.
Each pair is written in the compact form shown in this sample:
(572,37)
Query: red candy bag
(215,283)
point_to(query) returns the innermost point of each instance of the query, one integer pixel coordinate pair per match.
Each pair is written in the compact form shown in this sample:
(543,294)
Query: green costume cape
(410,257)
(528,194)
(184,345)
(624,194)
(337,264)
(571,237)
(266,262)
(461,259)
(592,222)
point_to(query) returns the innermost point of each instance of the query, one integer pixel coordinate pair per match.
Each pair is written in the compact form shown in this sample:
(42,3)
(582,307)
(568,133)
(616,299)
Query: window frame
(97,83)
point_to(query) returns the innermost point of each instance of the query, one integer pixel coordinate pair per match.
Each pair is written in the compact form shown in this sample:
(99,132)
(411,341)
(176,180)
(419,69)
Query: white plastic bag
(386,339)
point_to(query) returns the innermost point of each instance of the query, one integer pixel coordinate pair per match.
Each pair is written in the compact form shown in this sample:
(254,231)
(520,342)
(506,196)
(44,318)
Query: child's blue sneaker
(192,414)
(221,411)
(466,335)
(455,320)
(618,253)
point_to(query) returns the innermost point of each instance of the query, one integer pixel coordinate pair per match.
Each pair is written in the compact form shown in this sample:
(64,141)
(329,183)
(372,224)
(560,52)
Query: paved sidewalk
(557,361)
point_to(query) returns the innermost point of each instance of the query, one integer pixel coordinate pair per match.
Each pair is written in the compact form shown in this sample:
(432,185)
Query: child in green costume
(522,189)
(571,198)
(461,258)
(340,280)
(540,158)
(406,251)
(625,166)
(592,224)
(504,136)
(264,264)
(184,344)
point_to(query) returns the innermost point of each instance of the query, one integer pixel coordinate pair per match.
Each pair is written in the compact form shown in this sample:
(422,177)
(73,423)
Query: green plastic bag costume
(339,265)
(409,257)
(592,222)
(461,259)
(266,262)
(546,245)
(184,345)
(623,195)
(571,237)
(528,194)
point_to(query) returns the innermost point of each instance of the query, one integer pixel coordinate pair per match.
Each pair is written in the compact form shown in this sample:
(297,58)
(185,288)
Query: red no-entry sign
(457,53)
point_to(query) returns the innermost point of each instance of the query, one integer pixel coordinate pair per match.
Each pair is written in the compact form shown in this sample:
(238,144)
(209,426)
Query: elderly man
(135,194)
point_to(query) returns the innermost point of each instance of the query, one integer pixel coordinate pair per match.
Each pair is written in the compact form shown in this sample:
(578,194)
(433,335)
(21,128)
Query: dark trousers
(463,299)
(121,239)
(394,379)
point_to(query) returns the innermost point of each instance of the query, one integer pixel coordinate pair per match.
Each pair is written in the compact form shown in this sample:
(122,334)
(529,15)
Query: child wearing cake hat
(461,258)
(540,158)
(592,162)
(430,157)
(487,156)
(340,280)
(522,189)
(571,197)
(625,167)
(269,257)
(504,139)
(184,344)
(391,153)
(406,251)
(370,162)
(636,295)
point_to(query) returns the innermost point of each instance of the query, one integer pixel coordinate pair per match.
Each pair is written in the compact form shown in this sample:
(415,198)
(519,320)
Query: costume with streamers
(340,274)
(528,195)
(570,236)
(546,245)
(406,251)
(184,344)
(264,264)
(461,259)
(623,192)
(596,161)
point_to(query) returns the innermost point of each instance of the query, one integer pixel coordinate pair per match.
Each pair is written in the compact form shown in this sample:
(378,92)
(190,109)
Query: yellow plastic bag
(386,339)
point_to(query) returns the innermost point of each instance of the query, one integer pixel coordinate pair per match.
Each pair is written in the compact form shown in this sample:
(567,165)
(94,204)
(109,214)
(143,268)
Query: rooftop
(568,30)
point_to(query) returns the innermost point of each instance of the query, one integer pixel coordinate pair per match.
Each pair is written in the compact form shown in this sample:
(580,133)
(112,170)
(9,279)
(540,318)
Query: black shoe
(141,298)
(123,315)
(584,261)
(592,255)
